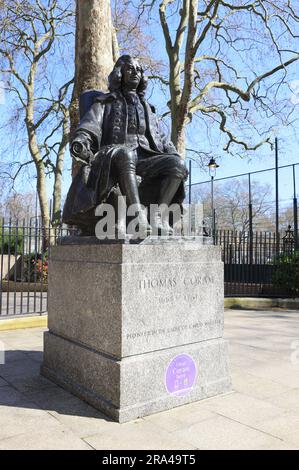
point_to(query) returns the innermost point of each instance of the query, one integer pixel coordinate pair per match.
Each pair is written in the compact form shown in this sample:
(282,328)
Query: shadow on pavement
(22,385)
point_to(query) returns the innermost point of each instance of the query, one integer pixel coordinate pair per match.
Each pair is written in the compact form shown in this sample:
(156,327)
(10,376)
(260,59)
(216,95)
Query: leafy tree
(286,275)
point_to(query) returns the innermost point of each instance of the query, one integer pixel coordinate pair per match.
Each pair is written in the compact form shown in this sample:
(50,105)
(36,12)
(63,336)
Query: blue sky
(261,160)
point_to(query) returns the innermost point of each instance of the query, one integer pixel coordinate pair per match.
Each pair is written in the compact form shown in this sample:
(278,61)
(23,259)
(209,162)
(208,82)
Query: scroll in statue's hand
(80,150)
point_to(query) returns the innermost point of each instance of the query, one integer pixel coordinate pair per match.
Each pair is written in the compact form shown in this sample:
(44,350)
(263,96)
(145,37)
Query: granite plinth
(118,315)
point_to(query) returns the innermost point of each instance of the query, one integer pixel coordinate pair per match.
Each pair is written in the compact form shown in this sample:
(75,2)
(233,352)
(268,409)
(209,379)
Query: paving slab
(24,418)
(87,422)
(285,427)
(289,400)
(51,439)
(257,387)
(144,435)
(222,433)
(243,408)
(181,417)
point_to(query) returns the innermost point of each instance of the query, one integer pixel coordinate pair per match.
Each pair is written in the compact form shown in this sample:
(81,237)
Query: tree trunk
(43,203)
(181,142)
(41,186)
(94,52)
(115,48)
(178,133)
(94,59)
(56,216)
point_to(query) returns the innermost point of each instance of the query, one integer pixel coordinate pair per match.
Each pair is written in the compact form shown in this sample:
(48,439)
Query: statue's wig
(115,77)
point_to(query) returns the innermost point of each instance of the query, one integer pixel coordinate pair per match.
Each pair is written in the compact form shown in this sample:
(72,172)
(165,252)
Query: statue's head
(127,72)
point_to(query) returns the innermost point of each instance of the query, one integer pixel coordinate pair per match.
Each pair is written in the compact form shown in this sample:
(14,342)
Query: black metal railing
(25,247)
(259,264)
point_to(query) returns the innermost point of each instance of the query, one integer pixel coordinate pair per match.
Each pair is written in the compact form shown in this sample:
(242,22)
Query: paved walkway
(261,413)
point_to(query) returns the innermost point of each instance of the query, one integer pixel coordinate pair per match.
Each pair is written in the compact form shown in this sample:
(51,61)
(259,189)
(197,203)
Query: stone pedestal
(137,329)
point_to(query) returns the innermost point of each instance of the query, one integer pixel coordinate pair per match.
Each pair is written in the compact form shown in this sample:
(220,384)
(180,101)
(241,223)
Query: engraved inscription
(172,282)
(165,289)
(157,283)
(173,329)
(168,299)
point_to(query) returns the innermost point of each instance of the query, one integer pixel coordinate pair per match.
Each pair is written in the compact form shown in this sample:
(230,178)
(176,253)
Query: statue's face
(131,72)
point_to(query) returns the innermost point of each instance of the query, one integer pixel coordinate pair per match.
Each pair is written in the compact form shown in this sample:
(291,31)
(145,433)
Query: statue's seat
(86,100)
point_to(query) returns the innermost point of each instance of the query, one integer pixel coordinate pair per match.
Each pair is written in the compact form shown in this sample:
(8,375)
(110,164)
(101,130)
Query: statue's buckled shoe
(143,229)
(161,227)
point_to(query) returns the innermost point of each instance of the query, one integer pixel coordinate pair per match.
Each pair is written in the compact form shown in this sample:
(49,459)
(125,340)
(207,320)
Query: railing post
(250,221)
(276,197)
(295,211)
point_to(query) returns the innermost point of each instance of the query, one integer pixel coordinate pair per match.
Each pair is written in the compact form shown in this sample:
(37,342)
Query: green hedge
(10,241)
(286,275)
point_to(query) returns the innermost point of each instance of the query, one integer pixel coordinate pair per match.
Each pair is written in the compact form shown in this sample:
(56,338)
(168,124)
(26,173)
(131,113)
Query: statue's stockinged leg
(168,189)
(125,165)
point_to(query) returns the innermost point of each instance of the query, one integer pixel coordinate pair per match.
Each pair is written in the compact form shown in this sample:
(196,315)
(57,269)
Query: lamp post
(250,220)
(190,182)
(276,197)
(212,170)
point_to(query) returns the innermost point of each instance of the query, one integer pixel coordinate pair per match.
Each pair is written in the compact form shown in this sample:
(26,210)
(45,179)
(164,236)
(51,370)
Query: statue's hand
(81,150)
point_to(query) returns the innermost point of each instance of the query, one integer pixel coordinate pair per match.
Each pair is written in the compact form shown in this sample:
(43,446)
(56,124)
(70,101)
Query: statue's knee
(185,172)
(125,159)
(125,154)
(181,169)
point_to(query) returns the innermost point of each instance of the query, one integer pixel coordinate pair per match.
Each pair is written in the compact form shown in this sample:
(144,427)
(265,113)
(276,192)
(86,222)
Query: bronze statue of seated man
(117,140)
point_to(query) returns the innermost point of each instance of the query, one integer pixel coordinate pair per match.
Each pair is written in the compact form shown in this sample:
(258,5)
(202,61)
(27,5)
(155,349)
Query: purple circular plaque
(180,375)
